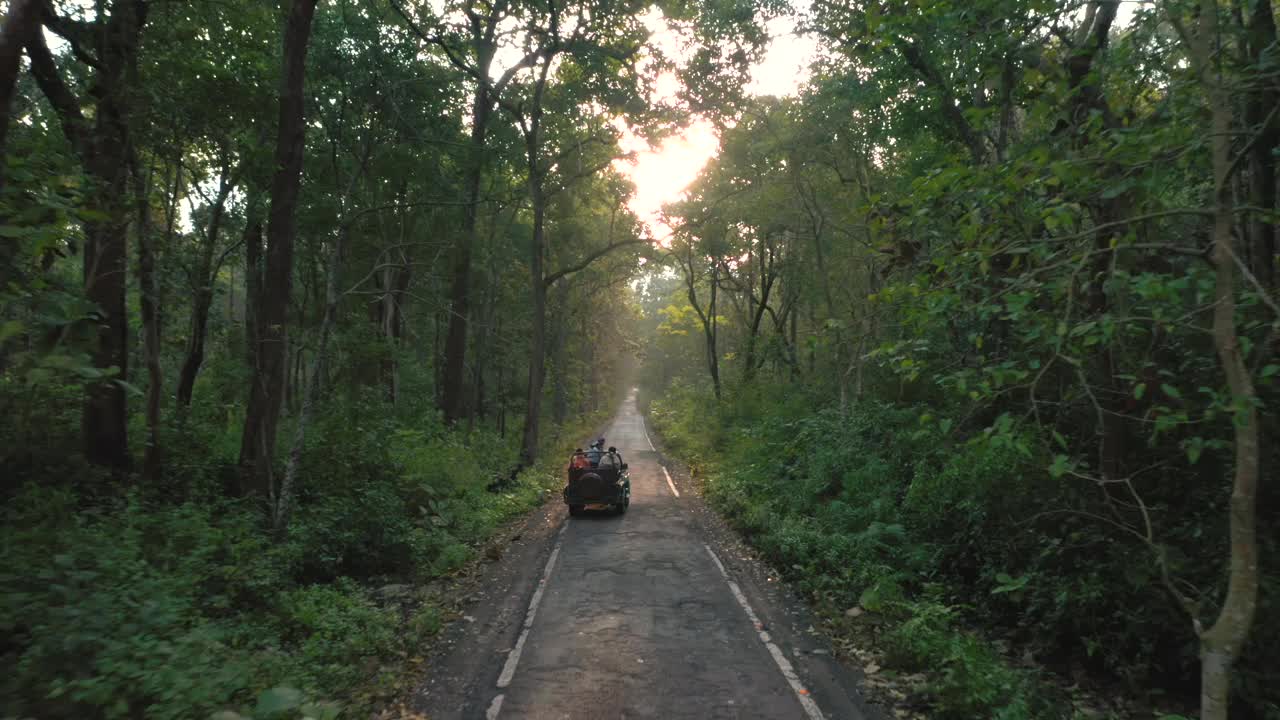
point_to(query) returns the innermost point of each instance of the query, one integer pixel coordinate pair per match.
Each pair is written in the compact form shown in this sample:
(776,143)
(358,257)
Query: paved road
(637,617)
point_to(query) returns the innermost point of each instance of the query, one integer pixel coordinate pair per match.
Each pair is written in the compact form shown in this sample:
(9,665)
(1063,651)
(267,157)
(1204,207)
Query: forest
(975,337)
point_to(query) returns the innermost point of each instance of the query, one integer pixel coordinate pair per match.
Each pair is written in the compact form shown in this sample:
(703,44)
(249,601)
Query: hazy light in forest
(662,173)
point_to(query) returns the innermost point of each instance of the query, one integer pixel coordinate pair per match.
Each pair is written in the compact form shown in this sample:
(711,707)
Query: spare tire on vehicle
(590,485)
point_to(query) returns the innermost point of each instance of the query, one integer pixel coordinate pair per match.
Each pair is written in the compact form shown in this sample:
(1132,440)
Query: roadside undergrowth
(174,601)
(934,561)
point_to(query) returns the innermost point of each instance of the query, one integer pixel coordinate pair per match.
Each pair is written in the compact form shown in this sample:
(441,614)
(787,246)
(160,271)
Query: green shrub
(101,622)
(967,678)
(340,636)
(173,601)
(878,507)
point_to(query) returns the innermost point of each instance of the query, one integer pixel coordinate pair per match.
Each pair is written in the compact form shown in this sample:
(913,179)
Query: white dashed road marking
(495,707)
(670,484)
(513,659)
(788,672)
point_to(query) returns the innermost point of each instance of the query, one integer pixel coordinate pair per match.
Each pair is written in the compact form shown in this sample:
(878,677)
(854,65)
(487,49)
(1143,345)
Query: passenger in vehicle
(595,452)
(610,460)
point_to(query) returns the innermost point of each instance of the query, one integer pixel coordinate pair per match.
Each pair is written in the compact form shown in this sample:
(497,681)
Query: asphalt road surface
(642,615)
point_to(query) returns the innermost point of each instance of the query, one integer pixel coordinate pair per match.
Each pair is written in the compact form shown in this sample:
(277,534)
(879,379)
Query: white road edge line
(513,659)
(645,430)
(495,707)
(670,484)
(788,672)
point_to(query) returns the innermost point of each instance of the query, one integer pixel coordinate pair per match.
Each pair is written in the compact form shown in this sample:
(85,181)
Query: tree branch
(63,100)
(1261,132)
(549,280)
(950,109)
(75,32)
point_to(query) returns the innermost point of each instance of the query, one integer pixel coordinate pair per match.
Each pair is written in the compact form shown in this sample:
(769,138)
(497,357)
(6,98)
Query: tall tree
(1223,641)
(270,315)
(205,274)
(108,46)
(470,34)
(597,47)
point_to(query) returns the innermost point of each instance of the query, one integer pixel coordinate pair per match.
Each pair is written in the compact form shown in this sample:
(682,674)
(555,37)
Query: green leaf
(872,599)
(1061,466)
(277,700)
(12,328)
(1139,390)
(1116,190)
(1008,584)
(1171,391)
(90,215)
(320,711)
(1195,446)
(1083,328)
(873,17)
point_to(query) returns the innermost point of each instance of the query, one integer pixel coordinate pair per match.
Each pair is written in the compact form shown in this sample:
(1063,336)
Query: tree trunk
(537,275)
(537,341)
(437,368)
(22,19)
(502,388)
(1259,106)
(455,347)
(1221,644)
(200,305)
(229,311)
(560,356)
(105,421)
(101,143)
(759,308)
(394,327)
(793,355)
(284,504)
(206,276)
(1088,100)
(713,356)
(252,284)
(488,300)
(257,445)
(150,322)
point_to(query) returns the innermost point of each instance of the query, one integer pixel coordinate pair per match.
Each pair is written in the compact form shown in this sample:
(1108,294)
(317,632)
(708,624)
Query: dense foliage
(977,334)
(981,329)
(175,601)
(275,280)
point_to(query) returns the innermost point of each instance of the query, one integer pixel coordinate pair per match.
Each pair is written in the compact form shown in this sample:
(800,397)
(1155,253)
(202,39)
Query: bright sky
(662,173)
